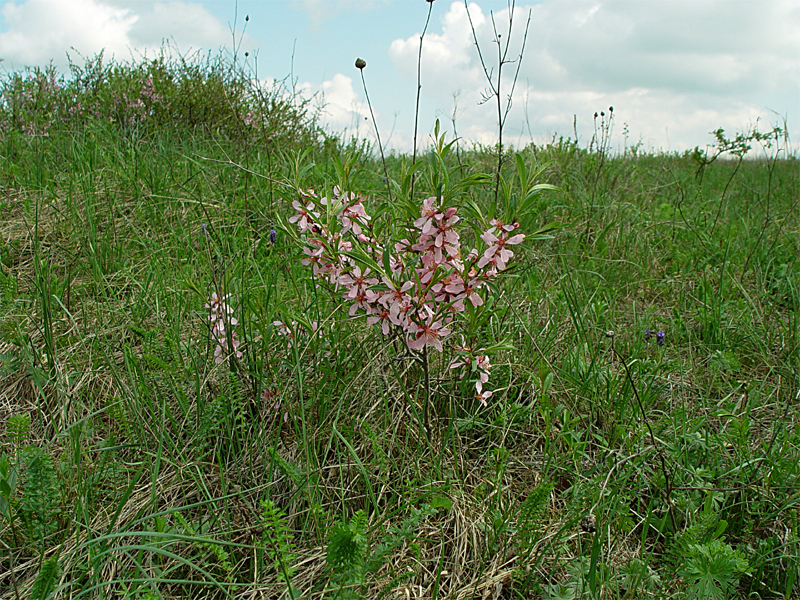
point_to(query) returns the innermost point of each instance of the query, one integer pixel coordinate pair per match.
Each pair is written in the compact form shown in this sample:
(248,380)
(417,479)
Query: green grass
(606,466)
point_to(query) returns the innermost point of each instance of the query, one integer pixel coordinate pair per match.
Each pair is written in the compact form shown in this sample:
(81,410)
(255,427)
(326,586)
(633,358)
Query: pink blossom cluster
(222,323)
(148,91)
(469,360)
(428,281)
(141,107)
(250,119)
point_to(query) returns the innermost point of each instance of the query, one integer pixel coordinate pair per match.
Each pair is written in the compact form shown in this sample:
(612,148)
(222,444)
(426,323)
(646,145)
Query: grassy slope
(164,475)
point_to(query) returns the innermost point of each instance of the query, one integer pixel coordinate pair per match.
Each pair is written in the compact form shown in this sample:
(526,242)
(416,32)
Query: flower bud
(360,63)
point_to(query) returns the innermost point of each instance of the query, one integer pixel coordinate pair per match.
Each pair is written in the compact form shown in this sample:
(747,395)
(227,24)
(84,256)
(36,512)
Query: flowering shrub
(414,289)
(30,101)
(170,94)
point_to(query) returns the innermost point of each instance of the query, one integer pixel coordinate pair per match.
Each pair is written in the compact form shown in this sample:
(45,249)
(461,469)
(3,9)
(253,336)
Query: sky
(673,70)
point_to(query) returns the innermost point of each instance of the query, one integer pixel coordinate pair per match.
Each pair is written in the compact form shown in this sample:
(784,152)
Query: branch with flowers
(415,287)
(221,320)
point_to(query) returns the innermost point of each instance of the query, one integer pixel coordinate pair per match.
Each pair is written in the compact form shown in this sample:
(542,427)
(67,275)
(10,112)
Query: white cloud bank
(672,70)
(38,31)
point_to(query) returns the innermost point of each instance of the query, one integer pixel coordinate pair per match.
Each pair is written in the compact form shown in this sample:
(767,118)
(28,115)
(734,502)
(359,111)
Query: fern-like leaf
(276,540)
(46,580)
(39,506)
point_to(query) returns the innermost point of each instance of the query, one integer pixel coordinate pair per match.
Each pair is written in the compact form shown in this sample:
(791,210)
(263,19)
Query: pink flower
(382,317)
(360,301)
(305,216)
(430,332)
(357,282)
(219,308)
(399,314)
(403,247)
(429,211)
(481,395)
(353,216)
(220,317)
(313,255)
(465,291)
(395,295)
(498,225)
(460,362)
(284,330)
(483,365)
(497,249)
(221,350)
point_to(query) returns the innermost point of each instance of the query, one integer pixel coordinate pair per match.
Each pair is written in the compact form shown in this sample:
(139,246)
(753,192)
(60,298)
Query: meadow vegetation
(187,410)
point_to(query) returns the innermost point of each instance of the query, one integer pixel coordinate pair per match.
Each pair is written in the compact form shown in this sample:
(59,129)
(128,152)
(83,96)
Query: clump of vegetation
(189,410)
(165,96)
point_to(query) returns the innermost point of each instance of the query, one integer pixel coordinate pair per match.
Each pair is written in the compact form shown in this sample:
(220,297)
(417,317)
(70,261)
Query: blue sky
(674,70)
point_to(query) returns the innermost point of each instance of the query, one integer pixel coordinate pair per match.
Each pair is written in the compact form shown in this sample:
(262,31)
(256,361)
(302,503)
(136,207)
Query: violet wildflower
(660,338)
(273,236)
(648,335)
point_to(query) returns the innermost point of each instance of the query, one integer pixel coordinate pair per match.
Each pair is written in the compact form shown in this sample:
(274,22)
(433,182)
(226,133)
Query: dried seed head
(589,523)
(360,63)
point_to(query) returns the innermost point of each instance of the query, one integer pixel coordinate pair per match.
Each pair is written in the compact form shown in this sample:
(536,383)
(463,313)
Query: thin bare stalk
(419,89)
(455,129)
(426,370)
(360,64)
(659,451)
(495,87)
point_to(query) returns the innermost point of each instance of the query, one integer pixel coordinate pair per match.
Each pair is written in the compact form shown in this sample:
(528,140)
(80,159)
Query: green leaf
(441,502)
(522,170)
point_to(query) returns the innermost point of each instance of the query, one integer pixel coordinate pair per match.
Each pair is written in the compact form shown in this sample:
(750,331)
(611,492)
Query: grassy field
(642,437)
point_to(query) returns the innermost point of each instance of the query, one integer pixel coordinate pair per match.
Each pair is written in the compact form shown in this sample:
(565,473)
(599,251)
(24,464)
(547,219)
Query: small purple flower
(660,338)
(205,227)
(648,335)
(273,236)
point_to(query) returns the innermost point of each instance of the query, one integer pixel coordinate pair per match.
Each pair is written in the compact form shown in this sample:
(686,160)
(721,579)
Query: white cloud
(448,58)
(338,103)
(189,24)
(38,31)
(672,70)
(321,11)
